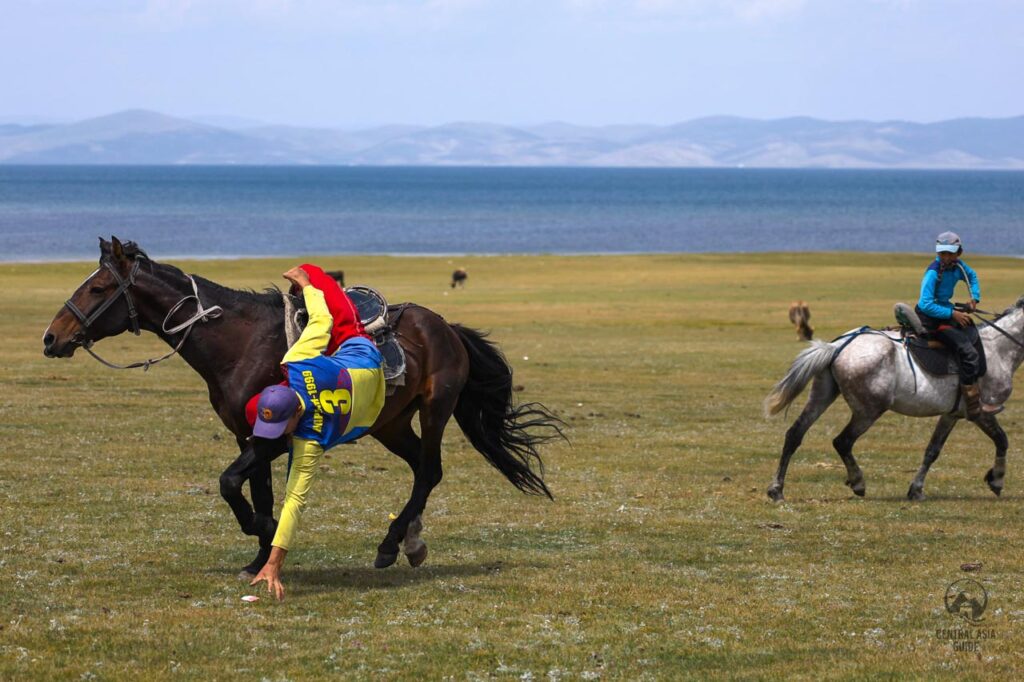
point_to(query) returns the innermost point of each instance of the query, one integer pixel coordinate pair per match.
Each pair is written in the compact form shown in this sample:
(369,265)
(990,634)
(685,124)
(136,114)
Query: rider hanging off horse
(332,396)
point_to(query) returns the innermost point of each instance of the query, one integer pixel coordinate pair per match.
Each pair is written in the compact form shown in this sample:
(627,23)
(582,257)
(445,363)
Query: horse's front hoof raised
(418,557)
(384,560)
(775,493)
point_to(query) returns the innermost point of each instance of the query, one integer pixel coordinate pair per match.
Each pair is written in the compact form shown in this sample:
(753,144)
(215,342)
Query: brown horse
(236,345)
(800,316)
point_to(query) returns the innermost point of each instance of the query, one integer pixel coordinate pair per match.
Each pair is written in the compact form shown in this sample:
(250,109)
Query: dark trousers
(961,341)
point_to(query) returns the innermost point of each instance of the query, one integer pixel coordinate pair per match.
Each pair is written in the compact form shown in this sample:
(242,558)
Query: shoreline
(496,254)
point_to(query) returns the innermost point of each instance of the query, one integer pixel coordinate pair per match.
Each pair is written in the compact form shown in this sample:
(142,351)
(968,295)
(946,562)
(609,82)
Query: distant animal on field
(459,277)
(799,315)
(338,276)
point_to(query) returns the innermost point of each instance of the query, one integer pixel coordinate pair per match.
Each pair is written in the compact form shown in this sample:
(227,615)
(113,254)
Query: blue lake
(57,212)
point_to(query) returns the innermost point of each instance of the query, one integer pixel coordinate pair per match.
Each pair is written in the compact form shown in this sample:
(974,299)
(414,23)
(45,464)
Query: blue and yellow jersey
(342,395)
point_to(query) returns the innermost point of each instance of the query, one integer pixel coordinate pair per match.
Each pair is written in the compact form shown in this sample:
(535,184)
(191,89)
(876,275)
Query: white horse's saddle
(931,354)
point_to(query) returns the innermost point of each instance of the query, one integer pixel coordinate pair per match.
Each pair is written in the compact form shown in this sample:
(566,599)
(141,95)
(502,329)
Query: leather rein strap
(202,314)
(992,323)
(123,285)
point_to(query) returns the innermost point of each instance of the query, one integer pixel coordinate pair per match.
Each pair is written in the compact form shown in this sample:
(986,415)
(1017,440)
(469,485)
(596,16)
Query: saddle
(378,319)
(931,355)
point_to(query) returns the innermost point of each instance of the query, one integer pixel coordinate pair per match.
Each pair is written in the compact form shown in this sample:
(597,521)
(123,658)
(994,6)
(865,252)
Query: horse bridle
(123,285)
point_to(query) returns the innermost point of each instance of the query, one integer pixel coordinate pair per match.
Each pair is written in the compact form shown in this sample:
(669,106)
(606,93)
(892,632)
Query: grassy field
(660,558)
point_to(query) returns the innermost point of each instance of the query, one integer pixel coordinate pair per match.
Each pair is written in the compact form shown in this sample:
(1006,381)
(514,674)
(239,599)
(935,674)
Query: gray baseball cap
(948,241)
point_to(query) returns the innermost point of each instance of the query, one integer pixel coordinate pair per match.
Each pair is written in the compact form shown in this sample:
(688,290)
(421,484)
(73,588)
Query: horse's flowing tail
(500,430)
(811,362)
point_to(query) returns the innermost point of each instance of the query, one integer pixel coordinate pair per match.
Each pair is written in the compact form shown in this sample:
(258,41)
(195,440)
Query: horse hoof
(989,478)
(915,494)
(418,557)
(256,565)
(384,560)
(857,487)
(775,493)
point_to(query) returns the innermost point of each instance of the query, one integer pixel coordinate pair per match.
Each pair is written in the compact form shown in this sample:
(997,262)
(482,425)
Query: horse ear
(116,249)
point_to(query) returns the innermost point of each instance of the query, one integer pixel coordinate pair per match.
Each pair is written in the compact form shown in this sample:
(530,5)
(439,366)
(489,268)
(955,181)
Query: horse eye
(96,289)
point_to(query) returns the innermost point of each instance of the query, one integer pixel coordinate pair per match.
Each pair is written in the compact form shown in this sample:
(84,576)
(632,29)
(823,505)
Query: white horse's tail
(812,361)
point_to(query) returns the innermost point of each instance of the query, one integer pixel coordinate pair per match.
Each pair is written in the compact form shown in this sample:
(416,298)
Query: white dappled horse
(873,374)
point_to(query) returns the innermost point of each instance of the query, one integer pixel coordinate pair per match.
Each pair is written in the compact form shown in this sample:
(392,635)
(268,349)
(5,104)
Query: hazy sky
(357,62)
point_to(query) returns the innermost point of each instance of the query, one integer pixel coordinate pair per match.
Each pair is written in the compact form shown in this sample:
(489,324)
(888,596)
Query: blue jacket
(938,285)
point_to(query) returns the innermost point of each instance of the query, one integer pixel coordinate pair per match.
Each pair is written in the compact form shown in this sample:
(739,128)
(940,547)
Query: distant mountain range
(146,137)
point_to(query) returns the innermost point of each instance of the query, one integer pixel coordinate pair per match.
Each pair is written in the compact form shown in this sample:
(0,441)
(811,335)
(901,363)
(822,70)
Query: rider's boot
(972,400)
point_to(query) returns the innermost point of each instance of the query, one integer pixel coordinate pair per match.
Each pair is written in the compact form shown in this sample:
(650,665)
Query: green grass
(661,557)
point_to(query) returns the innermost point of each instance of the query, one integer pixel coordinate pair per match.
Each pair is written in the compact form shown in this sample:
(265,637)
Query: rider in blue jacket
(953,327)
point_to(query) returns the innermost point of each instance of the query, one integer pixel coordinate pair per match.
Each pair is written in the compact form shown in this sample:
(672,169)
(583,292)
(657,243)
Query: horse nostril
(48,340)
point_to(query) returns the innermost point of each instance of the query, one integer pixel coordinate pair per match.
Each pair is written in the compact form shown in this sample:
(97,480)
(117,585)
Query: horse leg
(264,524)
(399,438)
(942,430)
(261,487)
(231,489)
(823,393)
(843,443)
(255,467)
(992,429)
(435,412)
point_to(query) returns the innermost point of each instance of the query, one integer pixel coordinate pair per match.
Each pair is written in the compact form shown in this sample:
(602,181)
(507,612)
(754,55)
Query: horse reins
(975,311)
(992,323)
(123,286)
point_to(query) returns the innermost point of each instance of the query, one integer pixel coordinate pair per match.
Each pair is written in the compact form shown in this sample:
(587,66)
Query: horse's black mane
(130,249)
(226,296)
(134,251)
(269,297)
